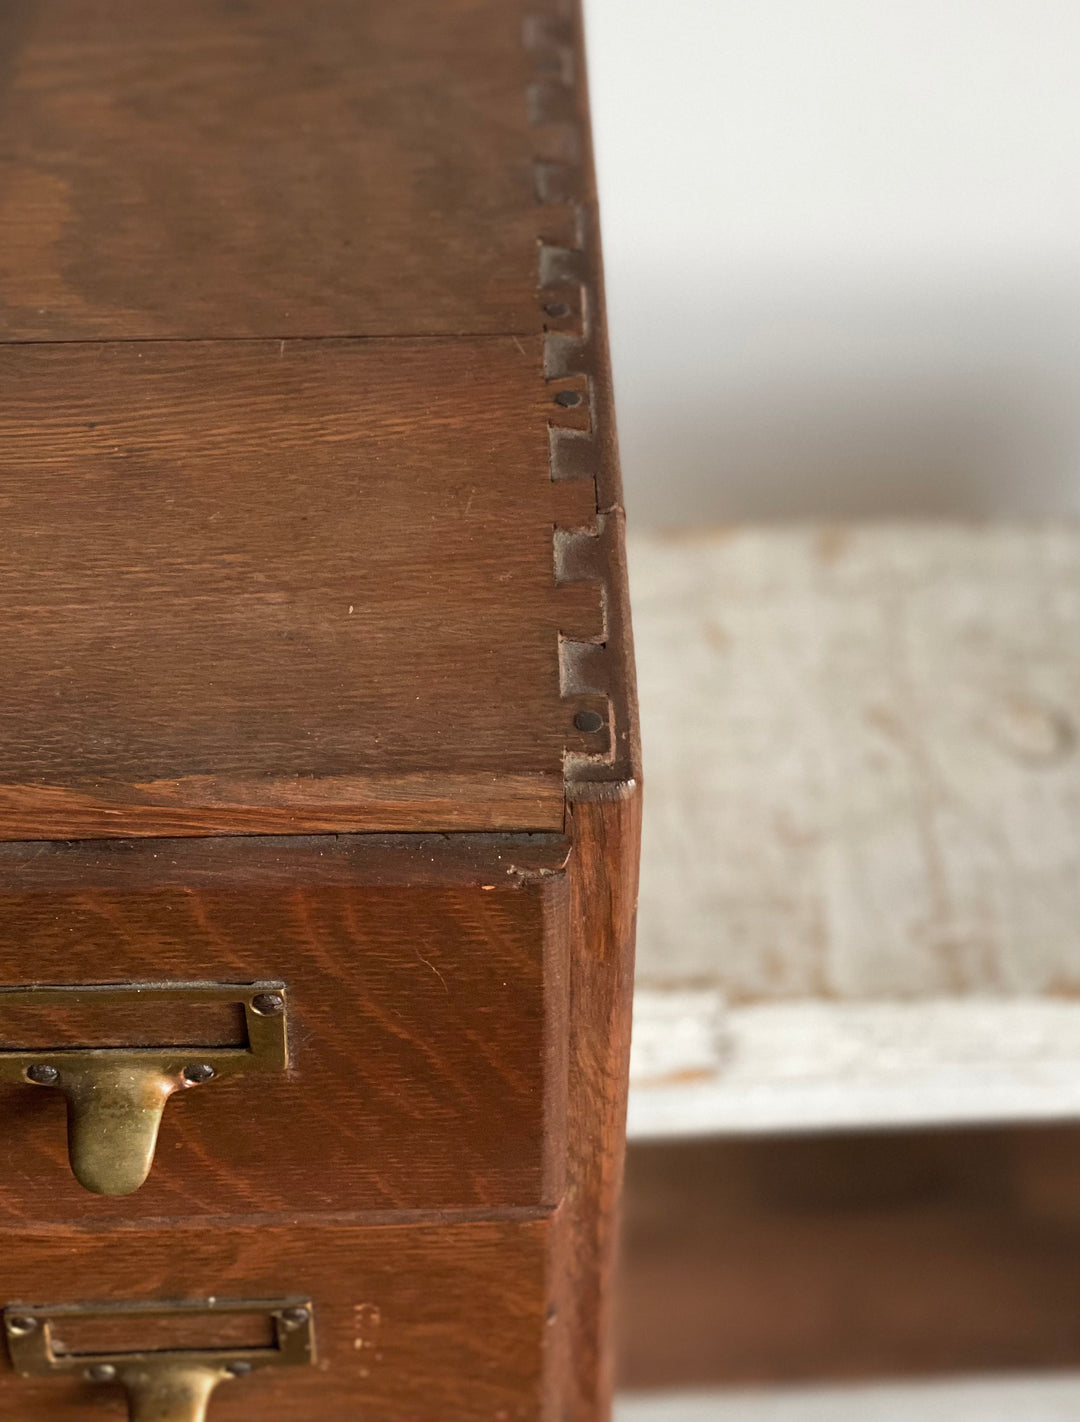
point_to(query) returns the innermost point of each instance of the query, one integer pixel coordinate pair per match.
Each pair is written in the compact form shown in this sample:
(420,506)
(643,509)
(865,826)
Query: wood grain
(864,754)
(219,169)
(297,585)
(603,794)
(278,554)
(877,1255)
(606,826)
(281,805)
(699,1067)
(427,1021)
(413,1323)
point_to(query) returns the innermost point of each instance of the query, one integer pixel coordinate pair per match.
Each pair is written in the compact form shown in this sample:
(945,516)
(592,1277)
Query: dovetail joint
(566,295)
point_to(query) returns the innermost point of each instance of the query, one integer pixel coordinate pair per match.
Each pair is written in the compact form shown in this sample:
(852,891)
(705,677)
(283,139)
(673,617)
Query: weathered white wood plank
(1024,1397)
(698,1068)
(861,766)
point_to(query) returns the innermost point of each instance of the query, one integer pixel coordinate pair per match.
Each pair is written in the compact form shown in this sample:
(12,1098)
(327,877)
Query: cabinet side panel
(606,826)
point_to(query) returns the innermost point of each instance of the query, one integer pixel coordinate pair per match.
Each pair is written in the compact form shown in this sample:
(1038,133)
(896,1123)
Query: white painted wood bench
(860,887)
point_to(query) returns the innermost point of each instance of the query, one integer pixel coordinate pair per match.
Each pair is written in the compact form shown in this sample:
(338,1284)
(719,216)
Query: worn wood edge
(179,1225)
(211,805)
(700,1068)
(606,826)
(596,671)
(556,909)
(271,860)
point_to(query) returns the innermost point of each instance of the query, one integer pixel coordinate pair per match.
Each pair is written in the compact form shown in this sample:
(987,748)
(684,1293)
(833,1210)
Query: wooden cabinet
(319,786)
(411,1320)
(425,1014)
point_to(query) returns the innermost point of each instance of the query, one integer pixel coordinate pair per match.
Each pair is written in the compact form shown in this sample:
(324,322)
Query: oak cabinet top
(225,168)
(311,512)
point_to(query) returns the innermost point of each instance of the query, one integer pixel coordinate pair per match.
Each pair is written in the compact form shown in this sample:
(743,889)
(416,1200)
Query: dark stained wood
(603,796)
(208,805)
(161,1332)
(844,1256)
(437,1322)
(337,861)
(293,586)
(28,1025)
(606,826)
(310,523)
(427,1019)
(234,169)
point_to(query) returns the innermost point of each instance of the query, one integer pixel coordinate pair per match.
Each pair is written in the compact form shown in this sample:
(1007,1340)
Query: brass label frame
(116,1095)
(163,1385)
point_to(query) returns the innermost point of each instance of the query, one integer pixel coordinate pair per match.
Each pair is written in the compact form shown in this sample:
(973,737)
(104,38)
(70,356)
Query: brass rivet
(43,1074)
(268,1004)
(294,1317)
(197,1072)
(568,398)
(588,721)
(22,1324)
(101,1372)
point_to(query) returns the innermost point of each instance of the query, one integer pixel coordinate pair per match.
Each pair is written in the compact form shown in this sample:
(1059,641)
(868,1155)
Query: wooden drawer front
(426,1019)
(411,1322)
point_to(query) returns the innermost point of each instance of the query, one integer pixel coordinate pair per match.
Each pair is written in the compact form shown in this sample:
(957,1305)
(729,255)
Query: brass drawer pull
(166,1385)
(115,1095)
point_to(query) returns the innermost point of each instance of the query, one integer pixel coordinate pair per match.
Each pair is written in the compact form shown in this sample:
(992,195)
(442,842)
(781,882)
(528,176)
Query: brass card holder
(115,1095)
(172,1385)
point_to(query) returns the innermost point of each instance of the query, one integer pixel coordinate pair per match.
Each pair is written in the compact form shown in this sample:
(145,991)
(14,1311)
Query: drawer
(425,984)
(417,1321)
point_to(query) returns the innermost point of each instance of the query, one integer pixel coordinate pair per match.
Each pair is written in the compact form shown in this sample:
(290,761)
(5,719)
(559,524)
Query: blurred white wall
(842,241)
